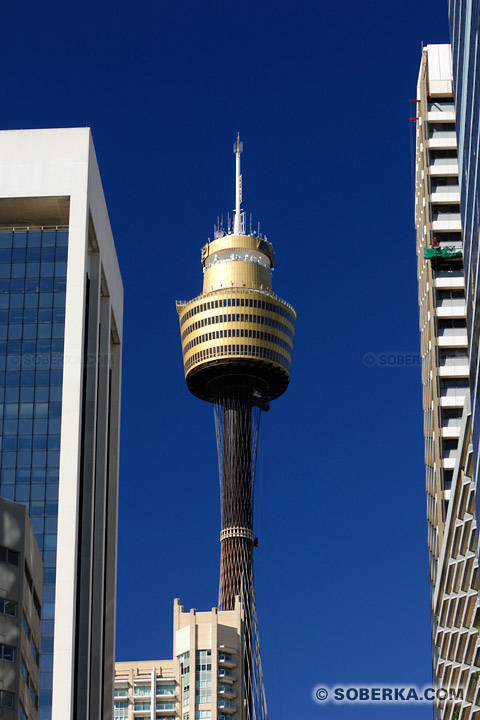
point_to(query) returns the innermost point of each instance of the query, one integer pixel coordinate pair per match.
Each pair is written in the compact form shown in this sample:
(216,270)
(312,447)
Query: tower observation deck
(237,342)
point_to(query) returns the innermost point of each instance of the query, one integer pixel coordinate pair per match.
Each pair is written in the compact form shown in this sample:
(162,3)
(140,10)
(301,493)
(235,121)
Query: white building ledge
(441,116)
(453,371)
(456,283)
(451,432)
(450,225)
(442,143)
(449,463)
(445,197)
(454,341)
(439,169)
(457,401)
(451,312)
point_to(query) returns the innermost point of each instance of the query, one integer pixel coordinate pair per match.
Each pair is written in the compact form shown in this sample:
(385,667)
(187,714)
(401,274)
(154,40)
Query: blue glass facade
(33,268)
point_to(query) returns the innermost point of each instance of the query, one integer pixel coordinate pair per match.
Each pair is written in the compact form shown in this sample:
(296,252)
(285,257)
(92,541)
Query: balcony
(452,371)
(226,691)
(451,311)
(227,708)
(442,195)
(437,113)
(454,341)
(449,463)
(141,709)
(167,708)
(452,432)
(443,169)
(452,401)
(227,649)
(226,660)
(452,225)
(450,279)
(226,675)
(443,143)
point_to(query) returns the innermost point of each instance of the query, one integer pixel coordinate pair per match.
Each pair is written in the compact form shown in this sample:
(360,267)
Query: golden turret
(237,326)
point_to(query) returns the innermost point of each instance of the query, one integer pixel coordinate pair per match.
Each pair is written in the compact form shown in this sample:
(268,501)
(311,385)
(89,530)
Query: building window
(33,695)
(165,706)
(6,699)
(184,661)
(121,692)
(36,603)
(165,689)
(120,710)
(142,690)
(141,706)
(203,677)
(204,660)
(203,715)
(23,668)
(28,577)
(26,626)
(7,653)
(224,703)
(34,651)
(7,607)
(9,556)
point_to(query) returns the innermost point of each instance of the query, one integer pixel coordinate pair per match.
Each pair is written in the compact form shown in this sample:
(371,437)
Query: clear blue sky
(319,92)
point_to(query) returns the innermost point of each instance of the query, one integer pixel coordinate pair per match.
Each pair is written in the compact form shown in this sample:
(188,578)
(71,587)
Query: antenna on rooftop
(238,225)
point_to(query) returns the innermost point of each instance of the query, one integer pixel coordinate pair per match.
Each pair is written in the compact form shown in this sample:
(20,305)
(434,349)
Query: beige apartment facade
(21,572)
(203,681)
(452,531)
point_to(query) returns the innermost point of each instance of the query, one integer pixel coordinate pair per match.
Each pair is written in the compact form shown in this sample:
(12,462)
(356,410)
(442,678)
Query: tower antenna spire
(238,228)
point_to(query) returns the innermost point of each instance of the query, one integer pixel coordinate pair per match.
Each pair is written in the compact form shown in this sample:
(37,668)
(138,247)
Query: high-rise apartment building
(61,303)
(451,497)
(204,681)
(21,576)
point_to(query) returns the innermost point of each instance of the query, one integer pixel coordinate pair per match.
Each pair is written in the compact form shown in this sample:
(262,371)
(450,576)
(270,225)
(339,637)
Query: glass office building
(61,308)
(33,272)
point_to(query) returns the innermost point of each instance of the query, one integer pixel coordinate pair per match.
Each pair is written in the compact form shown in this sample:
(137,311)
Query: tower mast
(238,225)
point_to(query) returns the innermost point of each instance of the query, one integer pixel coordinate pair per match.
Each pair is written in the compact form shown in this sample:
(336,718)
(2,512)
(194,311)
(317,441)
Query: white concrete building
(452,528)
(61,306)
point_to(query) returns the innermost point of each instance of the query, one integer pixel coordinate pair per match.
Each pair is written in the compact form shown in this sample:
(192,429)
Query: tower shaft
(236,538)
